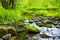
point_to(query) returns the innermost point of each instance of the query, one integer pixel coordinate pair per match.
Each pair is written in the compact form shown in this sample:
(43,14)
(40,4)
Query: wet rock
(57,26)
(38,18)
(55,23)
(3,31)
(41,24)
(30,21)
(58,23)
(11,30)
(41,17)
(48,21)
(21,30)
(38,23)
(43,35)
(53,26)
(50,18)
(27,37)
(6,37)
(21,25)
(58,18)
(48,25)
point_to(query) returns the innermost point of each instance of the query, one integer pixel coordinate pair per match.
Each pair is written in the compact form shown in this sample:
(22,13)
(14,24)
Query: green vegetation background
(44,6)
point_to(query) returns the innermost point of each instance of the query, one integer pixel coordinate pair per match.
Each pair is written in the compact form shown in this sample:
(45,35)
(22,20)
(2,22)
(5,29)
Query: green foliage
(38,7)
(41,7)
(9,15)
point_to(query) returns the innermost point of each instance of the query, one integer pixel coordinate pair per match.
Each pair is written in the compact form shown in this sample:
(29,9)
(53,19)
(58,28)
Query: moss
(21,36)
(11,30)
(48,25)
(3,31)
(41,24)
(32,29)
(12,38)
(43,35)
(27,16)
(19,23)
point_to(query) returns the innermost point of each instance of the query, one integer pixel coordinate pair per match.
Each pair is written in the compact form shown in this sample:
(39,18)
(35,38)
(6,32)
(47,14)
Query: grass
(9,15)
(45,8)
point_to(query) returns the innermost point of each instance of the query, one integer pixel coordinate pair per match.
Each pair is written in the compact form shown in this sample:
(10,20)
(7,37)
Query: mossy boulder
(3,31)
(47,21)
(43,35)
(20,23)
(41,24)
(48,25)
(32,29)
(57,26)
(11,30)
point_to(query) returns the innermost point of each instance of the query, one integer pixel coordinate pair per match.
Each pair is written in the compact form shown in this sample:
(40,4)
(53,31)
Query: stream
(53,33)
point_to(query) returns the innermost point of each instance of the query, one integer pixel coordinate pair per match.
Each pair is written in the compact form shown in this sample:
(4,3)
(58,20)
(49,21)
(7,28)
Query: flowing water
(53,32)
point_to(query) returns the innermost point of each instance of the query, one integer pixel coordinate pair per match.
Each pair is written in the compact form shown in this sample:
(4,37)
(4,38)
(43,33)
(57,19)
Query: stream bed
(38,29)
(52,33)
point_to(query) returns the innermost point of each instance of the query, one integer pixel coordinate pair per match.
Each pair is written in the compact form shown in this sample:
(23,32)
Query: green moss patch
(32,29)
(48,25)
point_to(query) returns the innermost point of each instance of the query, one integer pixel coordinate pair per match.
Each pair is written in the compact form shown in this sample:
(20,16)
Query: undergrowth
(38,7)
